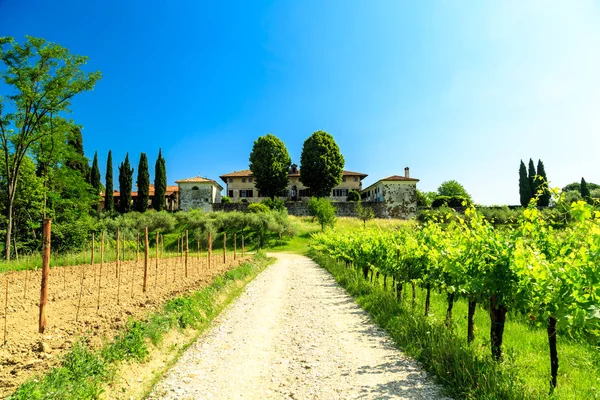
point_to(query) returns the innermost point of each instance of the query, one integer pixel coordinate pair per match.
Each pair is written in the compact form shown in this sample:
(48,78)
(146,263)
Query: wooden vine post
(117,255)
(224,247)
(137,248)
(47,228)
(101,265)
(145,285)
(156,260)
(186,253)
(209,250)
(93,248)
(5,309)
(234,246)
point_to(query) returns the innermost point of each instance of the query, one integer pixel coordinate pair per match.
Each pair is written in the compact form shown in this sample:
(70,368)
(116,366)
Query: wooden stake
(209,250)
(117,255)
(145,285)
(81,289)
(26,279)
(156,257)
(224,247)
(137,248)
(243,249)
(101,265)
(93,248)
(234,245)
(47,229)
(5,309)
(186,253)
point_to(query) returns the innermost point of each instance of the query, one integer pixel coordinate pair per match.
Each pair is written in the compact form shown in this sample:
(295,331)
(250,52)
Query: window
(230,180)
(340,193)
(243,180)
(356,179)
(246,193)
(230,193)
(343,179)
(250,180)
(304,193)
(195,188)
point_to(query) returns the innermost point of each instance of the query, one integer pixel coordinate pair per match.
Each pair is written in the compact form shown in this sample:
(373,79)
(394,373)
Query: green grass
(84,372)
(467,371)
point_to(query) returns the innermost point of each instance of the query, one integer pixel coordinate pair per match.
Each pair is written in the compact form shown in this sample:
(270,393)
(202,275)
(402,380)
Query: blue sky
(453,89)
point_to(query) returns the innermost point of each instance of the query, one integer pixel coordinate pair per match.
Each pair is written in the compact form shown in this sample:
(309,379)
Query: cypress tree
(160,182)
(143,184)
(125,183)
(76,159)
(544,200)
(585,191)
(531,177)
(109,203)
(524,186)
(95,175)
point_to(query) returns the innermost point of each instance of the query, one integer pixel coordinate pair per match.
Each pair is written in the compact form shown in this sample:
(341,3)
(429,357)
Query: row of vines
(549,274)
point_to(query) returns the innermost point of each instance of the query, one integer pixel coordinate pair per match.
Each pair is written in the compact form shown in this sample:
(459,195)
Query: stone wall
(400,200)
(200,197)
(300,209)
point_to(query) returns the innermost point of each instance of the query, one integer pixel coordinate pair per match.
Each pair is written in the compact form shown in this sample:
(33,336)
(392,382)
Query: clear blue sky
(453,89)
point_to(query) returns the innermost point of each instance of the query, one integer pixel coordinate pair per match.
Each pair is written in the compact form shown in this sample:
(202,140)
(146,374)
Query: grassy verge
(84,372)
(467,371)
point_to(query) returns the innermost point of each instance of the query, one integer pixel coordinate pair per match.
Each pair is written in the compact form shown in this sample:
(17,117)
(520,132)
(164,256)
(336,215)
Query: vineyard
(96,299)
(550,275)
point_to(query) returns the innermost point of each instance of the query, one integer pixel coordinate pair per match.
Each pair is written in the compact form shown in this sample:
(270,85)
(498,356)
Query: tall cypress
(544,200)
(160,182)
(585,191)
(95,181)
(531,177)
(125,183)
(524,186)
(76,159)
(143,184)
(109,203)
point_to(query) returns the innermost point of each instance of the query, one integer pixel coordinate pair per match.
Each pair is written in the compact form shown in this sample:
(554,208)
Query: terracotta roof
(399,178)
(170,190)
(247,172)
(198,179)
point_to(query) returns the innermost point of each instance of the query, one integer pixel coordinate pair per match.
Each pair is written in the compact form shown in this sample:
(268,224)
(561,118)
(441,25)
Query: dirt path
(294,334)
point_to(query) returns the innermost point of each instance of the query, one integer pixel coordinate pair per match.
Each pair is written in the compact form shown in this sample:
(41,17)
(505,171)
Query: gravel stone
(295,334)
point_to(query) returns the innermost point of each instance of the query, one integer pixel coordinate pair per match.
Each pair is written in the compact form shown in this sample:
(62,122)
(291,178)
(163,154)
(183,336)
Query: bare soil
(107,303)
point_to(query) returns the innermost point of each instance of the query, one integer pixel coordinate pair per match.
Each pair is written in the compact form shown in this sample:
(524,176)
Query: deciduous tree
(321,164)
(43,77)
(270,164)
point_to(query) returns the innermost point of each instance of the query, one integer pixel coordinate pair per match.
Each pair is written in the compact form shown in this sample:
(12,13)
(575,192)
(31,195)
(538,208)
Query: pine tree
(160,182)
(585,191)
(143,184)
(524,186)
(109,204)
(542,181)
(531,177)
(125,183)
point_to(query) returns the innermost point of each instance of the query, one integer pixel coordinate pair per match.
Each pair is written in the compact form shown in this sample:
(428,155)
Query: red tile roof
(399,178)
(198,179)
(247,172)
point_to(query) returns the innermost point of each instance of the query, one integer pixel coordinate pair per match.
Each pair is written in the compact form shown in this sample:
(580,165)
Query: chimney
(406,172)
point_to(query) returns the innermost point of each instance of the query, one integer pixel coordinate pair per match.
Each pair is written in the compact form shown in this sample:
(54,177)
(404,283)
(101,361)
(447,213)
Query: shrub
(323,210)
(451,201)
(225,200)
(353,195)
(258,208)
(275,204)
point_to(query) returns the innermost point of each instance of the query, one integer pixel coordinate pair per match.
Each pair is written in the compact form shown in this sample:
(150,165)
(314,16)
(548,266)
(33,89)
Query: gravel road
(294,334)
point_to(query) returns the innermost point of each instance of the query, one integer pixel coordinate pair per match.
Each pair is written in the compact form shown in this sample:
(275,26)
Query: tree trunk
(371,276)
(553,352)
(377,278)
(450,307)
(365,271)
(384,282)
(399,292)
(497,317)
(427,299)
(9,210)
(414,294)
(471,320)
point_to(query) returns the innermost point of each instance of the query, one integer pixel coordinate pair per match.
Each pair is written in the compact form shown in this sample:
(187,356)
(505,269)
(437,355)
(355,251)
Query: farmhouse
(397,193)
(241,186)
(199,193)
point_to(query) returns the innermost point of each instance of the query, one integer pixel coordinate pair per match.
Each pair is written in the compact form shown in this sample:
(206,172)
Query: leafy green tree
(585,191)
(576,186)
(143,184)
(125,183)
(44,77)
(323,210)
(542,185)
(353,195)
(531,177)
(453,189)
(364,213)
(160,183)
(524,185)
(270,165)
(321,164)
(109,203)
